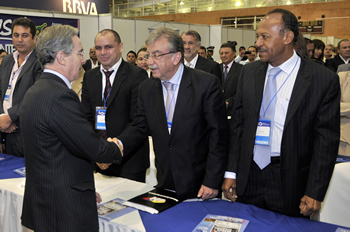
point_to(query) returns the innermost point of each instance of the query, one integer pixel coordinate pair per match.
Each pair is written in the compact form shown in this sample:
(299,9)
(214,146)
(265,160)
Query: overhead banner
(40,22)
(87,7)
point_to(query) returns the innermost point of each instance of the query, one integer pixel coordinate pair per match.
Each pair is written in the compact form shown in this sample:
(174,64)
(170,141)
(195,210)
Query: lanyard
(265,110)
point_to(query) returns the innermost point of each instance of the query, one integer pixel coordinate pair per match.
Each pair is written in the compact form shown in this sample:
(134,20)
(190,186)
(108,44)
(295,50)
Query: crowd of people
(263,125)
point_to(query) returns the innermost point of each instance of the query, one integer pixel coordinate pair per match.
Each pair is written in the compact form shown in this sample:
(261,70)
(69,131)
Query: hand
(13,127)
(98,198)
(115,140)
(229,189)
(5,122)
(2,148)
(309,206)
(103,166)
(207,193)
(227,104)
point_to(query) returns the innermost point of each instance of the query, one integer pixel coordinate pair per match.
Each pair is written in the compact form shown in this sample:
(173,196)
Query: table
(183,217)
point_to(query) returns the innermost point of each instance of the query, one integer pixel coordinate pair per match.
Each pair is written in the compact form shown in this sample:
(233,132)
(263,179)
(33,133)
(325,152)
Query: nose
(258,42)
(150,60)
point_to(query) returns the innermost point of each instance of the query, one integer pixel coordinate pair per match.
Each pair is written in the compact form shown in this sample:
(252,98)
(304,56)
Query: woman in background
(318,51)
(141,61)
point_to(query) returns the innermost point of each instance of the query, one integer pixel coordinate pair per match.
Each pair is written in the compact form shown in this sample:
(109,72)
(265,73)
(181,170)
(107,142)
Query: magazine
(217,223)
(20,171)
(113,209)
(154,201)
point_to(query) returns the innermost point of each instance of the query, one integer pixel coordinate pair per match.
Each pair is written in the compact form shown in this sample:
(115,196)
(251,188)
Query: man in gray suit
(19,71)
(59,143)
(285,125)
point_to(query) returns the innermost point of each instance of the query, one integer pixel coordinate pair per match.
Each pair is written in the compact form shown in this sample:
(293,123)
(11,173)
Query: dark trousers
(264,187)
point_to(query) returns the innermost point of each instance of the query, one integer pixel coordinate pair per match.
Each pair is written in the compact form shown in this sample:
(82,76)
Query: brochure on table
(221,223)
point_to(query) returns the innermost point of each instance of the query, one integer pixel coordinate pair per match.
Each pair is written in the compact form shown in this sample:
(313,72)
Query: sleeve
(86,102)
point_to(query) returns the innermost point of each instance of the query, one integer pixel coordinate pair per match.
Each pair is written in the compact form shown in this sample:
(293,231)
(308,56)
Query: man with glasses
(92,62)
(184,112)
(192,43)
(109,101)
(19,71)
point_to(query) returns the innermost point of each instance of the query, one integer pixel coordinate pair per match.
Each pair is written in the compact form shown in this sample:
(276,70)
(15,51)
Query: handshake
(104,166)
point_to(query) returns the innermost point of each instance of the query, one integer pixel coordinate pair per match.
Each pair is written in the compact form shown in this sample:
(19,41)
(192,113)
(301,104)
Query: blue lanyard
(105,100)
(264,111)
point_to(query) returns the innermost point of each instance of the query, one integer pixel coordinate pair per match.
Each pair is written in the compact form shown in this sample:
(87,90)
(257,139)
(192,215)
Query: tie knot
(108,73)
(168,85)
(274,71)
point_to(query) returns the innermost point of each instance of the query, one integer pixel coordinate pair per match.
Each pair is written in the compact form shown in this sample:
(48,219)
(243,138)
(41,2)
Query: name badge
(263,132)
(8,92)
(100,118)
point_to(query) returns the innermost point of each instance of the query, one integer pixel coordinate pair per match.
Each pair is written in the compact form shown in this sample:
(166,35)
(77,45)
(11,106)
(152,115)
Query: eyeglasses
(156,56)
(81,54)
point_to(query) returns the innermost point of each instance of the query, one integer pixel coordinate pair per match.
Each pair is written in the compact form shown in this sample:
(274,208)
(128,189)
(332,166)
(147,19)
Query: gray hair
(175,41)
(194,34)
(53,40)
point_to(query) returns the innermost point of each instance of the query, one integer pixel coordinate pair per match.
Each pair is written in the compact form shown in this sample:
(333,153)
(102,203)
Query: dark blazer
(195,152)
(209,66)
(121,107)
(310,137)
(333,63)
(229,86)
(87,65)
(30,73)
(59,146)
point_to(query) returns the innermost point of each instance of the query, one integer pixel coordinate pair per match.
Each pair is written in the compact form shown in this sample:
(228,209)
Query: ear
(288,37)
(176,58)
(121,47)
(61,58)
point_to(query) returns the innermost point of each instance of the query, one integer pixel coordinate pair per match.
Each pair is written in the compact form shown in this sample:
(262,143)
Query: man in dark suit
(92,62)
(192,43)
(230,71)
(19,71)
(184,112)
(59,143)
(287,172)
(119,102)
(342,58)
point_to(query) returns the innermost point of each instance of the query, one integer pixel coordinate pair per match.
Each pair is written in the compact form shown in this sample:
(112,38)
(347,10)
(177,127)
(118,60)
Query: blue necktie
(225,72)
(262,154)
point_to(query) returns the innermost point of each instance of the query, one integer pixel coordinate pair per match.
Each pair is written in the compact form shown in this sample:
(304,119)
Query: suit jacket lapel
(199,63)
(27,65)
(231,72)
(184,95)
(118,80)
(7,75)
(97,87)
(301,85)
(259,83)
(158,102)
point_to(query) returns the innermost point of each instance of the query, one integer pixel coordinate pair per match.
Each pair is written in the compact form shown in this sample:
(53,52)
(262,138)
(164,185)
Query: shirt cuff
(230,175)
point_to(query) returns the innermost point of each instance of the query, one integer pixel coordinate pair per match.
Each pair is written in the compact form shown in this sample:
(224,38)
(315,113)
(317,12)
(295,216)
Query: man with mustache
(19,71)
(192,43)
(285,125)
(109,101)
(184,112)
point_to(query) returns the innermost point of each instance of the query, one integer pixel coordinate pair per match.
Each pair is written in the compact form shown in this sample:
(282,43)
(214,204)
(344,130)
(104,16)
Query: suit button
(171,147)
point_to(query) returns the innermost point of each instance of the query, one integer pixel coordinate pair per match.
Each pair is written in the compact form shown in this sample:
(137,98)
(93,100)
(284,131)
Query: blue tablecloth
(186,216)
(9,164)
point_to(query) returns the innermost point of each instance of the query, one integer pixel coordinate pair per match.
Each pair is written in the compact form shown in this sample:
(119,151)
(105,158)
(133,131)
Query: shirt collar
(63,78)
(16,54)
(115,67)
(177,76)
(345,61)
(288,65)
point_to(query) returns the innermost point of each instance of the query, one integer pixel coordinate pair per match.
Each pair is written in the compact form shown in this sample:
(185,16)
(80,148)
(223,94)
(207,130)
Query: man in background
(309,46)
(92,62)
(19,71)
(131,57)
(210,52)
(192,43)
(202,51)
(342,58)
(59,143)
(112,91)
(230,71)
(329,52)
(252,56)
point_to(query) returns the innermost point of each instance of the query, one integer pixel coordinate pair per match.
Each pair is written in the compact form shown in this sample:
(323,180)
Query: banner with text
(40,22)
